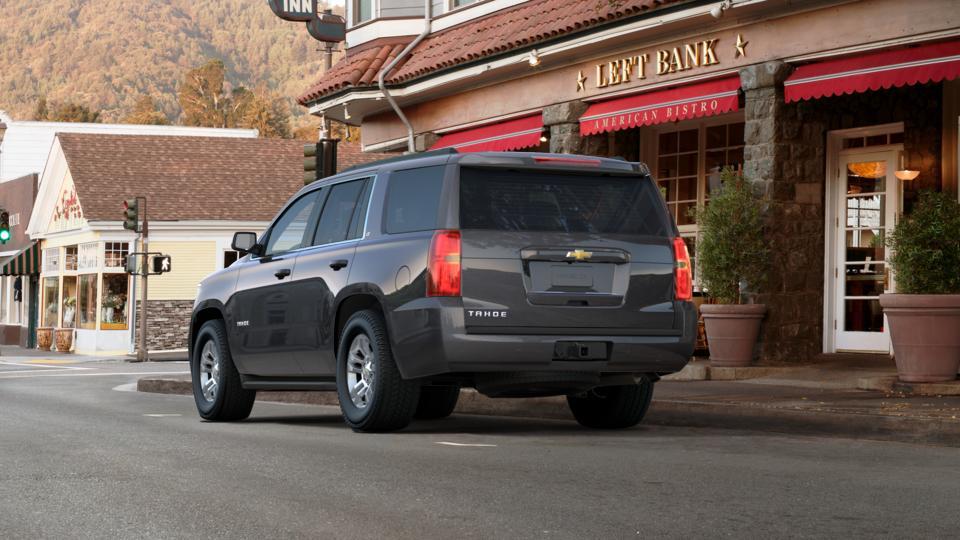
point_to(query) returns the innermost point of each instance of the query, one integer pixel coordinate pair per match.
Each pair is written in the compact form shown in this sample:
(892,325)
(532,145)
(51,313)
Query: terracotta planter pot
(44,338)
(64,339)
(732,331)
(925,331)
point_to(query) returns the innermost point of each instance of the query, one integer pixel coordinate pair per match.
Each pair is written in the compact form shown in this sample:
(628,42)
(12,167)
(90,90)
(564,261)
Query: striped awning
(500,137)
(26,262)
(874,71)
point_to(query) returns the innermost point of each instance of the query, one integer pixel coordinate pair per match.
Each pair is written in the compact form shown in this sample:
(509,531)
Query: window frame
(320,193)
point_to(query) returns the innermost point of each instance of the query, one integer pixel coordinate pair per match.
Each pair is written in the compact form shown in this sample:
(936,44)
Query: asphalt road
(82,458)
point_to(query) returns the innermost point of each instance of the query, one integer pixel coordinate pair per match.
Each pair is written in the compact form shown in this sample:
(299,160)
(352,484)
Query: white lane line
(48,374)
(445,443)
(162,415)
(41,366)
(129,387)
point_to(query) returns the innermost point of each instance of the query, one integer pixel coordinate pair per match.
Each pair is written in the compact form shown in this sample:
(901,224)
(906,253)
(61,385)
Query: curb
(893,384)
(682,413)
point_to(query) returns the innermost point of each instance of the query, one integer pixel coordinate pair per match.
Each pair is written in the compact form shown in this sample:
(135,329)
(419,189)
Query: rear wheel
(612,407)
(437,402)
(372,394)
(217,390)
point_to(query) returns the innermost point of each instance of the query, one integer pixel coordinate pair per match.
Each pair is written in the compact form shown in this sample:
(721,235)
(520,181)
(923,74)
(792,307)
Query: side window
(338,213)
(413,199)
(360,216)
(290,231)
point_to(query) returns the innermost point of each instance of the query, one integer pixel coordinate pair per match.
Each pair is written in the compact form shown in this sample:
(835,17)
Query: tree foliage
(731,248)
(202,98)
(64,112)
(926,246)
(145,112)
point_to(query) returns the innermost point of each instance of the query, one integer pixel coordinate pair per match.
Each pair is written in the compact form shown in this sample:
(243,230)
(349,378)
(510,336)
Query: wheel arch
(205,311)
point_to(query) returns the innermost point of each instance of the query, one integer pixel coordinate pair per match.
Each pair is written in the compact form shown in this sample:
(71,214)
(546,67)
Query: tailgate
(564,253)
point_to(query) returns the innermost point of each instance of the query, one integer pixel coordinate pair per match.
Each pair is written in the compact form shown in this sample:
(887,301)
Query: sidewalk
(817,399)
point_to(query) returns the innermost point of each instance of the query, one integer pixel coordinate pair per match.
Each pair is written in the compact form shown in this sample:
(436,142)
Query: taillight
(443,264)
(683,276)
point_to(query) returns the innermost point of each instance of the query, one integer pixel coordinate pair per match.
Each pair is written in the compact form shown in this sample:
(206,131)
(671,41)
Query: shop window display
(114,310)
(69,302)
(87,301)
(51,301)
(115,254)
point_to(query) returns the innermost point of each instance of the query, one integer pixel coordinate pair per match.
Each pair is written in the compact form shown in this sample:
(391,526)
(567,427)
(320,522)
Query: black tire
(230,401)
(437,402)
(612,407)
(389,401)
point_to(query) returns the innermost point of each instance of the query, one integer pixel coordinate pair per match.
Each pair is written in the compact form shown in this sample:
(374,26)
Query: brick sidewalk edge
(666,413)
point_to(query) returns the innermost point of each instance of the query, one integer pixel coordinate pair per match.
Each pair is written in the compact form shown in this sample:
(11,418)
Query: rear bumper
(429,338)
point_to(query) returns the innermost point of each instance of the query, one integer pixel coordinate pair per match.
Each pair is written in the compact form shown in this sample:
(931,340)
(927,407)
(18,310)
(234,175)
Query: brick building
(825,104)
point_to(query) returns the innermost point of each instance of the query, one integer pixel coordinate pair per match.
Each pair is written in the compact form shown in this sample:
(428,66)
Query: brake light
(443,264)
(683,276)
(567,161)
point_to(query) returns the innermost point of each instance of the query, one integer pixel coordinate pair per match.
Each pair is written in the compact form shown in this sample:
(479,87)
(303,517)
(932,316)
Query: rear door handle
(338,264)
(282,273)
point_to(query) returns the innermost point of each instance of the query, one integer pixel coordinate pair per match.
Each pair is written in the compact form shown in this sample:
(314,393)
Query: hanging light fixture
(534,58)
(903,173)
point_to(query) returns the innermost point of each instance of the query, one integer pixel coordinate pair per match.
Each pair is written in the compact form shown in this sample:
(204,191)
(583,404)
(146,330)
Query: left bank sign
(294,10)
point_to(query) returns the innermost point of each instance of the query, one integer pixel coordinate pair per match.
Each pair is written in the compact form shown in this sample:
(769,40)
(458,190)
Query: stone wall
(785,157)
(168,324)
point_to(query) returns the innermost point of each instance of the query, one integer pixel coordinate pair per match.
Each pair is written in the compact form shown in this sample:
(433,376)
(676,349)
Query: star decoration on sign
(581,80)
(741,46)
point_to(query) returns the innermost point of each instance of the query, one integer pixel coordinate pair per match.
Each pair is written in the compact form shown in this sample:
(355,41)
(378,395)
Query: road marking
(162,415)
(49,361)
(445,443)
(48,374)
(33,365)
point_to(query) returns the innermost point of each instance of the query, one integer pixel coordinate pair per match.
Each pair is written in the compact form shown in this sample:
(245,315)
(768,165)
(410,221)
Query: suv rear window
(506,200)
(413,199)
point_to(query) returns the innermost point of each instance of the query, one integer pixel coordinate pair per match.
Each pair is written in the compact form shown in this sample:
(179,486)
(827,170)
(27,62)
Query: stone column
(423,141)
(784,158)
(563,121)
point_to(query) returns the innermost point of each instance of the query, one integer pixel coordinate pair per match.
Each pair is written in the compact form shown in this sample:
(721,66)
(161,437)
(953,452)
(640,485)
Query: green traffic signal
(4,227)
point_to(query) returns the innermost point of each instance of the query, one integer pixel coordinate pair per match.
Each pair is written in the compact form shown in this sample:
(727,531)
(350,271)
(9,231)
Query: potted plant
(110,304)
(732,254)
(69,311)
(924,315)
(64,339)
(44,338)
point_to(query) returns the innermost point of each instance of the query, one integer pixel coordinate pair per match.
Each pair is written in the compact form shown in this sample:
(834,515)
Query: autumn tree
(202,98)
(64,112)
(264,111)
(145,112)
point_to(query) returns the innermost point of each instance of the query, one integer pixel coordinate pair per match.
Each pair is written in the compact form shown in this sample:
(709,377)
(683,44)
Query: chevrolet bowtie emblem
(579,255)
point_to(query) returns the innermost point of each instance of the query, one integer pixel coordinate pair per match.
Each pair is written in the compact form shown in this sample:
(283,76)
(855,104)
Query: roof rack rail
(404,157)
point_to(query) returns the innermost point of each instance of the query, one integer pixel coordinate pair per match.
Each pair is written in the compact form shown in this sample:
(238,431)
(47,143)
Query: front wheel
(612,407)
(217,389)
(372,394)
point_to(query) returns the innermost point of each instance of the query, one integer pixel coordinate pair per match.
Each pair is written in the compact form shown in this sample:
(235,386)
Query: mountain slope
(104,53)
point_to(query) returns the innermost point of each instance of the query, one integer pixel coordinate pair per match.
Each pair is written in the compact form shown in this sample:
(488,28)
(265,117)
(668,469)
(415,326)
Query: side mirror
(245,242)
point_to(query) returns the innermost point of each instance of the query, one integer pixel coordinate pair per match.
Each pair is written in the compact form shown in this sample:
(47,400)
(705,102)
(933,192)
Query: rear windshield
(506,200)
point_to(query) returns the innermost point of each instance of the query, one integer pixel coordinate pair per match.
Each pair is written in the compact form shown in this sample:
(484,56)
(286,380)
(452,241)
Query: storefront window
(87,301)
(677,163)
(69,301)
(115,254)
(230,257)
(114,312)
(89,256)
(51,260)
(51,300)
(70,258)
(362,10)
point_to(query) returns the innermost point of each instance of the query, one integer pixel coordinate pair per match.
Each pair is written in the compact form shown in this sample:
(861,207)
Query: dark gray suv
(398,283)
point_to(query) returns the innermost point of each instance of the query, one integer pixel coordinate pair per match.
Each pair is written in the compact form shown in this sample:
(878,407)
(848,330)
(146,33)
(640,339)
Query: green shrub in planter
(731,248)
(926,247)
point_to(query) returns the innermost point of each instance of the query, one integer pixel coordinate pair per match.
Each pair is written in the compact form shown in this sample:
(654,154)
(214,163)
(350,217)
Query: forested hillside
(108,54)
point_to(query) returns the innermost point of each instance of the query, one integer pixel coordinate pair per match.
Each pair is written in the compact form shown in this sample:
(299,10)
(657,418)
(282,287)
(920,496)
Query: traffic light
(4,227)
(131,214)
(319,160)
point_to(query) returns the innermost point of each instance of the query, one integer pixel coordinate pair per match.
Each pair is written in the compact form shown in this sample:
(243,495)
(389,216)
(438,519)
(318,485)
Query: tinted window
(413,199)
(290,230)
(360,216)
(550,202)
(338,212)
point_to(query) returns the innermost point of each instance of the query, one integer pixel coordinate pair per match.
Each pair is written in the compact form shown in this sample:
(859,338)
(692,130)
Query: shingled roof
(503,31)
(183,178)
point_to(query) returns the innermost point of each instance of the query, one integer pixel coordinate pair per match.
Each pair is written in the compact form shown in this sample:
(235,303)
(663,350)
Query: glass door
(867,200)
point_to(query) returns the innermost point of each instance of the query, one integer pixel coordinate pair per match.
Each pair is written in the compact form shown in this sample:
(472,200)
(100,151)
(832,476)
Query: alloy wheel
(361,371)
(209,371)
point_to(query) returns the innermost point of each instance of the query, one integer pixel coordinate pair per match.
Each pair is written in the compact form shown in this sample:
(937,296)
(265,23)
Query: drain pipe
(427,20)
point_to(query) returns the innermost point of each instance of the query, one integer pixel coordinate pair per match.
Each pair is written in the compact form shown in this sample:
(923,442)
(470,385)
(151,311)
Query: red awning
(873,71)
(691,101)
(508,135)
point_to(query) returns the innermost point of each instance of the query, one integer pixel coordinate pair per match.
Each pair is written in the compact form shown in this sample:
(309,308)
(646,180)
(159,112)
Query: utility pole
(142,352)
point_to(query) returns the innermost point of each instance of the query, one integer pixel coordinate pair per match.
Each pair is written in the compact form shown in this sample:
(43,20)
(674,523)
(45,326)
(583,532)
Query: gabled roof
(183,178)
(524,25)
